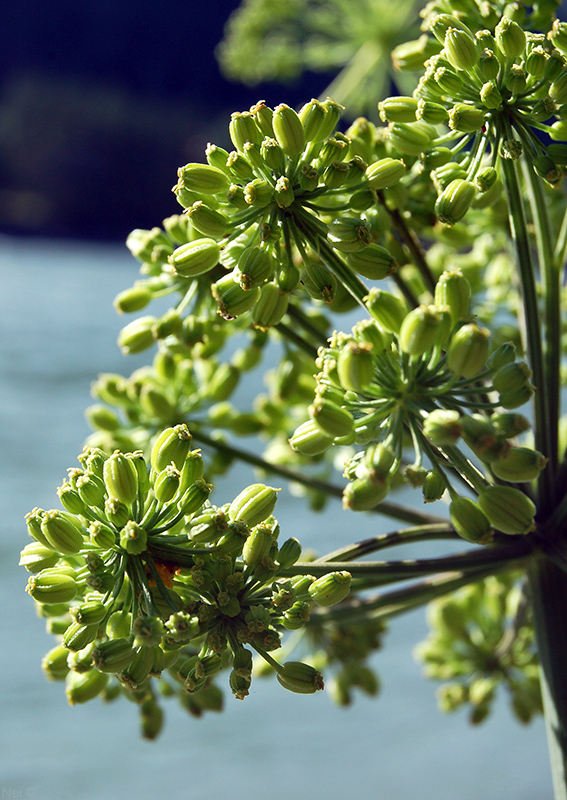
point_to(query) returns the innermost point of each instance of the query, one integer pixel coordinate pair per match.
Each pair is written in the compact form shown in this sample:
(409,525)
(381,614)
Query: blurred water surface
(58,331)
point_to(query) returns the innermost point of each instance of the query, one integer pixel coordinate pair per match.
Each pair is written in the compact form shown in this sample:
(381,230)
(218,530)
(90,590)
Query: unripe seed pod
(113,655)
(331,418)
(420,330)
(468,350)
(203,179)
(273,155)
(195,497)
(387,309)
(120,478)
(137,336)
(312,116)
(289,552)
(77,636)
(89,613)
(309,440)
(133,538)
(362,494)
(385,173)
(91,490)
(466,118)
(373,262)
(54,663)
(512,382)
(510,425)
(488,66)
(133,299)
(217,157)
(51,586)
(101,535)
(300,678)
(398,109)
(486,179)
(242,128)
(207,221)
(355,366)
(271,307)
(36,556)
(195,258)
(223,382)
(503,355)
(172,445)
(454,291)
(81,687)
(257,546)
(434,486)
(432,113)
(288,130)
(254,268)
(330,589)
(232,299)
(70,500)
(510,38)
(62,531)
(519,465)
(166,484)
(410,139)
(469,521)
(461,49)
(483,438)
(319,282)
(508,509)
(490,95)
(443,427)
(454,202)
(254,504)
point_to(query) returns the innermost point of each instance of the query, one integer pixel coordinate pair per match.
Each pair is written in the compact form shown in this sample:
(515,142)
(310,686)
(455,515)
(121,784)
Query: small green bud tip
(330,589)
(300,678)
(253,505)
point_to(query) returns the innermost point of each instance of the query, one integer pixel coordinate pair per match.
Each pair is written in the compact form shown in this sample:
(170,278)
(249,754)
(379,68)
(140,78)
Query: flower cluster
(140,575)
(481,637)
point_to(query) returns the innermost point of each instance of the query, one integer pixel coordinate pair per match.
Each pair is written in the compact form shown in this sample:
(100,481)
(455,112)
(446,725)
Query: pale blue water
(58,331)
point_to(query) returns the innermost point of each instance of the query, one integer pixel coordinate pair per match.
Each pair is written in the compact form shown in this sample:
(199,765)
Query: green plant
(455,204)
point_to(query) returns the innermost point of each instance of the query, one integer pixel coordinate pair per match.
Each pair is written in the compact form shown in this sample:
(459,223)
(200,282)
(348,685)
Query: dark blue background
(101,101)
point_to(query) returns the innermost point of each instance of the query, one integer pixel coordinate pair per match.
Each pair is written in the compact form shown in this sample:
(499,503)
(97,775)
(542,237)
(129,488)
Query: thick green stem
(548,590)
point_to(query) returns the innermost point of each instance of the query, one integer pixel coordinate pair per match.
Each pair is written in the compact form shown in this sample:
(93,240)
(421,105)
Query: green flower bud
(362,494)
(331,418)
(373,262)
(54,663)
(309,439)
(116,512)
(448,81)
(453,203)
(468,351)
(193,469)
(330,589)
(519,464)
(516,80)
(232,299)
(254,504)
(385,173)
(355,366)
(235,197)
(216,157)
(137,335)
(85,686)
(461,49)
(36,556)
(440,24)
(62,531)
(33,523)
(171,446)
(78,636)
(52,586)
(398,109)
(133,538)
(113,655)
(300,678)
(421,329)
(308,177)
(70,499)
(490,95)
(387,309)
(443,427)
(273,155)
(508,509)
(101,535)
(510,38)
(512,382)
(120,478)
(242,128)
(254,268)
(271,307)
(195,258)
(469,521)
(288,130)
(166,484)
(133,299)
(295,617)
(336,174)
(333,115)
(203,179)
(334,149)
(434,486)
(263,116)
